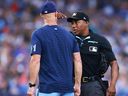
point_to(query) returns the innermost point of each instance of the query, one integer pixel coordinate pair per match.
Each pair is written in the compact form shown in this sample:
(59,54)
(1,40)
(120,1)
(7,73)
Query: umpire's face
(79,26)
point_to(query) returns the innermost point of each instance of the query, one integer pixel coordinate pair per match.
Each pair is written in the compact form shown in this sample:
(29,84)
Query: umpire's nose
(73,24)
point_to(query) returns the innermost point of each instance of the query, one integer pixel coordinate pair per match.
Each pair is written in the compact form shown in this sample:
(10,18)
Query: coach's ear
(41,15)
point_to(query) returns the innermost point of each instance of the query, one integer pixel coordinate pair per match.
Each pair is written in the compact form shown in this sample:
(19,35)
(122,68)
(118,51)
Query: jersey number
(34,48)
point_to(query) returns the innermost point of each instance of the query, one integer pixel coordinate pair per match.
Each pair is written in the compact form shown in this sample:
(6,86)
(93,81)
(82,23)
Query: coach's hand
(111,91)
(77,90)
(31,91)
(61,15)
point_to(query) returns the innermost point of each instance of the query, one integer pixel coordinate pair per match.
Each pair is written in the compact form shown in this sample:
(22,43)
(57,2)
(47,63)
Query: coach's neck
(50,19)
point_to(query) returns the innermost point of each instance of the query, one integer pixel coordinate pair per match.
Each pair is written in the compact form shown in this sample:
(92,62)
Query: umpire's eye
(73,22)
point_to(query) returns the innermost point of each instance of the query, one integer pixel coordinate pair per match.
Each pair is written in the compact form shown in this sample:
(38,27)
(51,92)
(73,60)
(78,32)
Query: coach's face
(78,26)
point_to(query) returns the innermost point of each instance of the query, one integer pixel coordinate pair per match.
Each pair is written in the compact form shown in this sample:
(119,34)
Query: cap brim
(70,19)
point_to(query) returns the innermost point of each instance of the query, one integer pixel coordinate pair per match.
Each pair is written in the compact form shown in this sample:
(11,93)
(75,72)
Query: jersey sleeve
(107,50)
(35,44)
(76,46)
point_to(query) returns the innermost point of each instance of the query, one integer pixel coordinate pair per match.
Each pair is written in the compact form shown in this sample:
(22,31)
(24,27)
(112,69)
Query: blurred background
(19,18)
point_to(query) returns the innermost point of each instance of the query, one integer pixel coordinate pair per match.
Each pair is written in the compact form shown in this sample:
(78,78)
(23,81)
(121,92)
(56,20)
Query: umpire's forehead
(75,21)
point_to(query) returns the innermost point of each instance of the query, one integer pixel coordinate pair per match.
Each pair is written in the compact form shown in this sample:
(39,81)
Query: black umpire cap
(78,16)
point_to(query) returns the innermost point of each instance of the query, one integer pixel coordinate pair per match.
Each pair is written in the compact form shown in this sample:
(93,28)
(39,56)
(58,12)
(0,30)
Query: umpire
(97,55)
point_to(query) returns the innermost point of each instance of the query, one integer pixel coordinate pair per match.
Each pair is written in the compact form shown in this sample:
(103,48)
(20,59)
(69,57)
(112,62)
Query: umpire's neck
(50,19)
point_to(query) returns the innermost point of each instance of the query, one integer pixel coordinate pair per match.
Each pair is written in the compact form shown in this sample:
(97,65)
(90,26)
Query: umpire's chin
(75,32)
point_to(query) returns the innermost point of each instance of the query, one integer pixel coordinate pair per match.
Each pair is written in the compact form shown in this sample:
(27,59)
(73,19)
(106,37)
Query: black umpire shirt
(90,48)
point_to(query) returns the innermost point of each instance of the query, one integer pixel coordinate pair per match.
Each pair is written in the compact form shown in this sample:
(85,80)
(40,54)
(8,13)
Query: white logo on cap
(74,14)
(84,18)
(45,11)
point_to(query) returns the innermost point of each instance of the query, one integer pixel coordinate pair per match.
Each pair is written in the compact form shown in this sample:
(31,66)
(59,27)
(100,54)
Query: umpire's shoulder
(101,39)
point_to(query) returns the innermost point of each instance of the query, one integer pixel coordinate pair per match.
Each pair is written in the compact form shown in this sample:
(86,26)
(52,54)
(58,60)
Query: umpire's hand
(111,91)
(77,90)
(31,91)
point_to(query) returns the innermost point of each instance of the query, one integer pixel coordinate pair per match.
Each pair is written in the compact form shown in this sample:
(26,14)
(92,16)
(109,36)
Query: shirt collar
(86,37)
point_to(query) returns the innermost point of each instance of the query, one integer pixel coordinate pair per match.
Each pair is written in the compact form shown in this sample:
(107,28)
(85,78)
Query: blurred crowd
(19,18)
